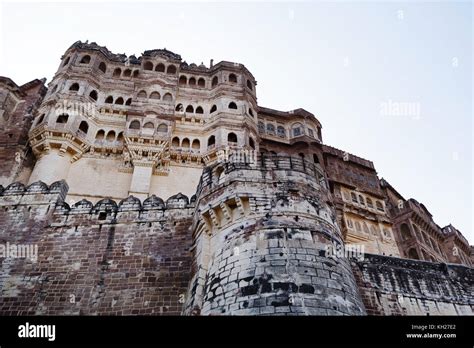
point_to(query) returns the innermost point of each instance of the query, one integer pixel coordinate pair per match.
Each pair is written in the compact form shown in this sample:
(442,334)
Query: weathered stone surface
(394,286)
(152,186)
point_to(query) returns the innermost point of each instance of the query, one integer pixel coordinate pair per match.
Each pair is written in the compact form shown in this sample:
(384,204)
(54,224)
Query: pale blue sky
(339,61)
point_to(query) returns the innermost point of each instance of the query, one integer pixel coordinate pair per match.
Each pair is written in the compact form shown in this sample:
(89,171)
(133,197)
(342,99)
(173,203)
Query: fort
(151,186)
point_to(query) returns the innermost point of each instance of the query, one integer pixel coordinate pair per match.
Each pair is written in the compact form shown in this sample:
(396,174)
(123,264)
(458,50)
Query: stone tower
(261,232)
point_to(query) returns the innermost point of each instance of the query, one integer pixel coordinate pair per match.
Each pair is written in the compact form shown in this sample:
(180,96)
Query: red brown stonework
(245,234)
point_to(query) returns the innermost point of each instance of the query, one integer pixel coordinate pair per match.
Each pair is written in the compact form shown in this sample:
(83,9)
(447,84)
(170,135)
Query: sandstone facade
(152,186)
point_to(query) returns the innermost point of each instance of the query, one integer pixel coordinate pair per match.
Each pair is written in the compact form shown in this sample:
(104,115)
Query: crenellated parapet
(111,211)
(37,192)
(395,286)
(112,257)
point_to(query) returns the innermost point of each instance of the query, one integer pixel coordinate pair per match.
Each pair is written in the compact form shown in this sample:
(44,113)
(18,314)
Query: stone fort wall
(394,286)
(117,259)
(252,242)
(113,132)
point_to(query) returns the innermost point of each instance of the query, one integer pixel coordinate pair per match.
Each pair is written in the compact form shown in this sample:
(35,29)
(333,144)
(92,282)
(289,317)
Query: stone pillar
(52,166)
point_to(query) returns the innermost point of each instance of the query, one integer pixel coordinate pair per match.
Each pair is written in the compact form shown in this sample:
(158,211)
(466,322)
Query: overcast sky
(356,66)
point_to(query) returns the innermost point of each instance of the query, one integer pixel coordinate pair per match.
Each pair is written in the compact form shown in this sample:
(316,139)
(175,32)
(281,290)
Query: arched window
(171,69)
(405,232)
(232,78)
(155,95)
(315,158)
(183,80)
(199,110)
(349,223)
(361,200)
(270,128)
(142,95)
(185,143)
(301,157)
(100,135)
(281,131)
(86,59)
(192,81)
(66,61)
(84,127)
(211,141)
(62,119)
(162,128)
(110,136)
(74,87)
(345,196)
(196,144)
(135,124)
(109,100)
(136,73)
(179,107)
(120,137)
(354,197)
(249,85)
(102,67)
(160,67)
(250,112)
(373,230)
(261,127)
(357,226)
(379,205)
(168,97)
(127,73)
(119,101)
(215,81)
(190,109)
(232,105)
(365,227)
(369,203)
(149,125)
(232,138)
(201,82)
(297,129)
(148,65)
(129,101)
(117,72)
(251,143)
(175,142)
(213,109)
(93,95)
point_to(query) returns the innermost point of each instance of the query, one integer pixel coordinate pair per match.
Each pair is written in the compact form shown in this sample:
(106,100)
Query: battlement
(37,192)
(106,210)
(396,286)
(123,258)
(348,157)
(279,166)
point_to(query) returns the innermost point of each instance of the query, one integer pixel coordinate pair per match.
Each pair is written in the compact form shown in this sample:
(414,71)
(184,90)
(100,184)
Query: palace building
(154,186)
